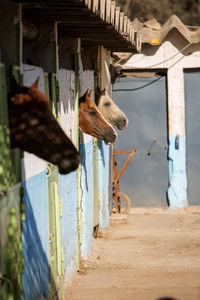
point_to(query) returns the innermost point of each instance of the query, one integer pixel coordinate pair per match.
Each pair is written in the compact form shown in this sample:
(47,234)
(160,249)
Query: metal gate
(144,102)
(192,91)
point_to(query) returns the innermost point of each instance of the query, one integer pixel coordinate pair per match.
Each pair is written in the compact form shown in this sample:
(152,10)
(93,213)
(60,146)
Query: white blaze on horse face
(109,124)
(112,112)
(92,121)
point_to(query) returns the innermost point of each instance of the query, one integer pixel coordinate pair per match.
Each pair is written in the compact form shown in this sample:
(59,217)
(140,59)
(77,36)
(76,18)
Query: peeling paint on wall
(177,192)
(68,195)
(66,105)
(68,183)
(104,184)
(35,238)
(86,151)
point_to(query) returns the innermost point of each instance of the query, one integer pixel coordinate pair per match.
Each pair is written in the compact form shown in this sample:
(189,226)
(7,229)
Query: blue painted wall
(86,151)
(68,194)
(177,192)
(104,151)
(35,238)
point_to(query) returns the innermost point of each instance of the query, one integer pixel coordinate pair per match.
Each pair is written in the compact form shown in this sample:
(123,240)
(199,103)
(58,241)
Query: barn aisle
(156,254)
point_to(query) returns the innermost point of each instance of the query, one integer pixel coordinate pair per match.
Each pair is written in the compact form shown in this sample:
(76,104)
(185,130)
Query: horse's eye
(107,104)
(93,112)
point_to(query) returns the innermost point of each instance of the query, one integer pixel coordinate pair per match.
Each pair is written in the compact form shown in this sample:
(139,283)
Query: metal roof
(99,22)
(154,33)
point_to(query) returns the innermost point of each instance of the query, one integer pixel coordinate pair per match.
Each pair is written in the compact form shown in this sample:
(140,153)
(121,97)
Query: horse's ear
(97,95)
(104,91)
(87,92)
(98,90)
(14,86)
(36,83)
(83,98)
(90,93)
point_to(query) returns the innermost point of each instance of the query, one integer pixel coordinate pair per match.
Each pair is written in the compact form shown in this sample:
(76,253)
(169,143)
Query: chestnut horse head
(34,129)
(91,120)
(110,110)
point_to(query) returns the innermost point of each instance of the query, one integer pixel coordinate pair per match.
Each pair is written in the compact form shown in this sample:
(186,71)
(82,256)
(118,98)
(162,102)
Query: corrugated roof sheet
(154,33)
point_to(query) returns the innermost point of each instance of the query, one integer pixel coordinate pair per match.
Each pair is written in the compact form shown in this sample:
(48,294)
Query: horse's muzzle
(110,138)
(69,164)
(121,123)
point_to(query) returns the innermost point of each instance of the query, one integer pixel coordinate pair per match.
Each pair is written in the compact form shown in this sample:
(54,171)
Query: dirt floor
(156,254)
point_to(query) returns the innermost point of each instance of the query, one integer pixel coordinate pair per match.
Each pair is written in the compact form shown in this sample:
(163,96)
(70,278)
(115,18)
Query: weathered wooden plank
(108,10)
(131,35)
(125,24)
(88,31)
(121,21)
(83,20)
(88,15)
(117,12)
(128,26)
(88,3)
(102,9)
(128,30)
(139,41)
(95,6)
(92,35)
(112,12)
(54,12)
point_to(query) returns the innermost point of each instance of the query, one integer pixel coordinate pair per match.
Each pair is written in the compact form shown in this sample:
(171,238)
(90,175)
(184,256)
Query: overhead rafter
(100,22)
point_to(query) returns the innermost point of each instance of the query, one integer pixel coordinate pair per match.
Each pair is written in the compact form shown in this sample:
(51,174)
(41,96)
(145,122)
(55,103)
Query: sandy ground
(156,254)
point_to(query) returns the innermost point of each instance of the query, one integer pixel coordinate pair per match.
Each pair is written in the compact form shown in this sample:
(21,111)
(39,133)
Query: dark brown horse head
(110,110)
(92,122)
(34,129)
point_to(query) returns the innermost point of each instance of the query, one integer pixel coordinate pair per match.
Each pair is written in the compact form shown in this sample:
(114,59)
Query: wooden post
(79,194)
(95,201)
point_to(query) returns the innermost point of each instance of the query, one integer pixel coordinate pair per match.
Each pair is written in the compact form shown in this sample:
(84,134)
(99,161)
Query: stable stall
(68,45)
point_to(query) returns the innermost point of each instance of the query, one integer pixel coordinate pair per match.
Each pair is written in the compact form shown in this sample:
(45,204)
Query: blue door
(144,102)
(192,109)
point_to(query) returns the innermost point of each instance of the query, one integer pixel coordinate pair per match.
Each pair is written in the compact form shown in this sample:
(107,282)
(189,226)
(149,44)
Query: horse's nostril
(124,121)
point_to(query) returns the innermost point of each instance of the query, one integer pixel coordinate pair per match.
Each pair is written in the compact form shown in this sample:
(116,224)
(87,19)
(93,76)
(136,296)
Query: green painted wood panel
(55,205)
(7,174)
(11,258)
